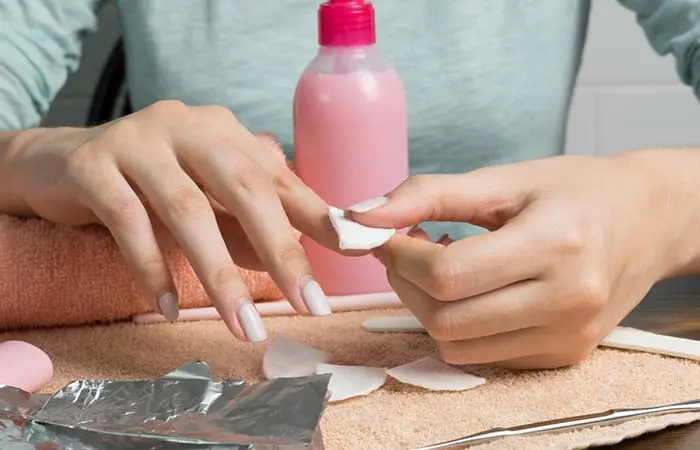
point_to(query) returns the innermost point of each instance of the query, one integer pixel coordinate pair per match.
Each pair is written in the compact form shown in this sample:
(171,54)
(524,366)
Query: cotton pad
(354,236)
(285,358)
(429,373)
(352,381)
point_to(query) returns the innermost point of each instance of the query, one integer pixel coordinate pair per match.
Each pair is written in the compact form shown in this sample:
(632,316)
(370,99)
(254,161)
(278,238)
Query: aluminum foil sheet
(185,409)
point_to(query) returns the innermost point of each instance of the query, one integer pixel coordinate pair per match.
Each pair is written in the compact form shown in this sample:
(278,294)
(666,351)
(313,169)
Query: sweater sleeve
(673,27)
(40,45)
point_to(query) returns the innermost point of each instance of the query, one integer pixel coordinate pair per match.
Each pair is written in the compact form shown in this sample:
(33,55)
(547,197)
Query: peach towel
(397,416)
(52,275)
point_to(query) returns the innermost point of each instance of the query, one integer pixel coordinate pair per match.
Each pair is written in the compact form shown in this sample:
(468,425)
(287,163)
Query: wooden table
(670,311)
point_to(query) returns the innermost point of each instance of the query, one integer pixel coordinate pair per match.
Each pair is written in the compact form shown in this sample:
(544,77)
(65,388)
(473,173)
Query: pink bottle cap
(24,366)
(346,23)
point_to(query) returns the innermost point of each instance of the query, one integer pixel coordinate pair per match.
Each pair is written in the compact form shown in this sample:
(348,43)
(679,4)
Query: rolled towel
(53,275)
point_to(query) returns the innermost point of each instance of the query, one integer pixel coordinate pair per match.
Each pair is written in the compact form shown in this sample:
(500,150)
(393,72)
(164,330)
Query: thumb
(486,197)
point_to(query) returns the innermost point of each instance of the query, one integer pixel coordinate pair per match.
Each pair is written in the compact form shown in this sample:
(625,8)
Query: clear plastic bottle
(350,133)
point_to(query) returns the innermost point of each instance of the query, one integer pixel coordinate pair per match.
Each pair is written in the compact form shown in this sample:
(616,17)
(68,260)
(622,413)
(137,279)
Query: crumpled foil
(185,409)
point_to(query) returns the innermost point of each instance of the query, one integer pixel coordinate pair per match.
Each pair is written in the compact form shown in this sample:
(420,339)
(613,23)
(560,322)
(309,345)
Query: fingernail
(315,298)
(168,306)
(368,205)
(251,322)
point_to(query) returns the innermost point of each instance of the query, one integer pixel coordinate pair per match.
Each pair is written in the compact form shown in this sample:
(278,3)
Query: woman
(573,246)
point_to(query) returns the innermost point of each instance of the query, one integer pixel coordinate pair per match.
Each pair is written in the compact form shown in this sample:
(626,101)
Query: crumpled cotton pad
(285,358)
(354,236)
(352,381)
(429,373)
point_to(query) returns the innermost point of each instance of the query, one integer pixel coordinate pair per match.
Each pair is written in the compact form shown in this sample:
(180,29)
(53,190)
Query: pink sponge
(24,366)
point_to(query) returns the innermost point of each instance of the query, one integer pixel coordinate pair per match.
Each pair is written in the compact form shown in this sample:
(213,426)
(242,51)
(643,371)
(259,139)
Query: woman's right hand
(193,171)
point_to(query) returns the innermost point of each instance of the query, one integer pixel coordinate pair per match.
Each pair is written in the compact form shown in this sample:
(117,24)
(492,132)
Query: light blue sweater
(488,81)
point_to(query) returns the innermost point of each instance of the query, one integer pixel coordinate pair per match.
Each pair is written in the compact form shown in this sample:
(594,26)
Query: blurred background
(627,96)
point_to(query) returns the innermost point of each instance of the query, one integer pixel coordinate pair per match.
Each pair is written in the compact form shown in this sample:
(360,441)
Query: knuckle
(452,353)
(253,180)
(154,272)
(167,109)
(587,337)
(218,112)
(186,202)
(125,129)
(225,277)
(590,296)
(419,181)
(569,241)
(579,345)
(123,213)
(283,177)
(219,124)
(443,278)
(440,324)
(269,141)
(81,162)
(290,253)
(424,187)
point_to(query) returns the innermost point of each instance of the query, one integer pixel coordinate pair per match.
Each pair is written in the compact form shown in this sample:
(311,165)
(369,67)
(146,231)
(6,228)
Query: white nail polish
(315,299)
(368,205)
(168,306)
(251,322)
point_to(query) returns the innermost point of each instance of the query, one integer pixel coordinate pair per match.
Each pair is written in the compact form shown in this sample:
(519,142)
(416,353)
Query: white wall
(628,97)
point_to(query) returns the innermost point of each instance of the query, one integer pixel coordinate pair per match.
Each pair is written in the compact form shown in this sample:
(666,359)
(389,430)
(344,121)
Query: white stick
(644,341)
(283,308)
(621,337)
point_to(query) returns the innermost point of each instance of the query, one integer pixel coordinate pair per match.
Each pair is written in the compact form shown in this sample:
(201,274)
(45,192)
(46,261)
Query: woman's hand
(575,244)
(195,172)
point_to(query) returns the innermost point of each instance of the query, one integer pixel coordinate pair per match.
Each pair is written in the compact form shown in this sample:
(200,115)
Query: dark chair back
(110,89)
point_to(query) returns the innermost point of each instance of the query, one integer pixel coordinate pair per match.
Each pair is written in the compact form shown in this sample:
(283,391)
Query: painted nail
(168,306)
(368,205)
(251,322)
(315,298)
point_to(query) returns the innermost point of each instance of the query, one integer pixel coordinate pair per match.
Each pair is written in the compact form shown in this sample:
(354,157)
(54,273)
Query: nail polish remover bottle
(350,134)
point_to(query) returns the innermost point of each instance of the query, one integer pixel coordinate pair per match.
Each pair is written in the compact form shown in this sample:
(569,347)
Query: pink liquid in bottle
(350,134)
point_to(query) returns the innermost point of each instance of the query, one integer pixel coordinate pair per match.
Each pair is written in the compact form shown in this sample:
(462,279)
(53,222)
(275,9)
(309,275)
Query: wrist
(12,143)
(672,177)
(15,146)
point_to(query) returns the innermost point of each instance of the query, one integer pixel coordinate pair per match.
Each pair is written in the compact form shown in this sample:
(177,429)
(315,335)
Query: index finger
(305,209)
(468,267)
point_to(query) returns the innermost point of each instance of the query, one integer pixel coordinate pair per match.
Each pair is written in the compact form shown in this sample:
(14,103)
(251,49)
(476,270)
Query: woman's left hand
(575,244)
